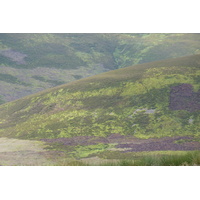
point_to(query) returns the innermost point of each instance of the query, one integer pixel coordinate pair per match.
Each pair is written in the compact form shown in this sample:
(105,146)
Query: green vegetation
(114,50)
(80,151)
(132,102)
(188,159)
(144,159)
(40,61)
(11,79)
(1,100)
(129,101)
(41,78)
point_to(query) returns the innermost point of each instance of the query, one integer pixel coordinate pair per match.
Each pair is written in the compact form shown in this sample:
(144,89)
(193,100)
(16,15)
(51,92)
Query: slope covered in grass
(33,62)
(132,101)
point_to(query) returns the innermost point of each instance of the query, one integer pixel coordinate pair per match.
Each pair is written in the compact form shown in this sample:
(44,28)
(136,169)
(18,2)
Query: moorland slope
(33,62)
(151,100)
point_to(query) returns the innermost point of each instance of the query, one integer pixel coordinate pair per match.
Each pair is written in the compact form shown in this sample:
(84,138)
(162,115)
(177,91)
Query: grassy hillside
(135,101)
(147,114)
(33,62)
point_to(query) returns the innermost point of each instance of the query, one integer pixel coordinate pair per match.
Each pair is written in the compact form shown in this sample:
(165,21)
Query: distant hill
(30,63)
(150,100)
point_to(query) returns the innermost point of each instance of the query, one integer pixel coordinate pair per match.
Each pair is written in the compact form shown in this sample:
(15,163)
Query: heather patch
(182,97)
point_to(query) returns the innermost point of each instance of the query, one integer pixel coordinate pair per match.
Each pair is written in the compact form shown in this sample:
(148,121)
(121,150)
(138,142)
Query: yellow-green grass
(157,158)
(112,102)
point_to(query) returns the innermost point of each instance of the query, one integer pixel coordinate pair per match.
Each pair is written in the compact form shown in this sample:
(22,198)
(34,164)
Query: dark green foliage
(190,158)
(6,61)
(54,82)
(1,100)
(77,77)
(185,159)
(11,79)
(142,119)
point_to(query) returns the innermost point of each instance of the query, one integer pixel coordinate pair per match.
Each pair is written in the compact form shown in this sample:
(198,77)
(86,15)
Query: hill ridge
(165,63)
(30,63)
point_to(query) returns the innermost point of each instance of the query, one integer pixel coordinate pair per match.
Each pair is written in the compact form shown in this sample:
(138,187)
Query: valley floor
(90,150)
(15,152)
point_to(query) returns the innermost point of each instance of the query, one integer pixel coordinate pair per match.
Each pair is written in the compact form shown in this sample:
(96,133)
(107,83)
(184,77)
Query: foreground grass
(188,159)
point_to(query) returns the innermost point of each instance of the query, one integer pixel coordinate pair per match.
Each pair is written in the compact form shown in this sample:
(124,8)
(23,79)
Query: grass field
(141,159)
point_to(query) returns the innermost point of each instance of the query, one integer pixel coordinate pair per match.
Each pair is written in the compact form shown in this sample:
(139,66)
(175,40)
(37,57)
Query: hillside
(155,99)
(143,110)
(30,63)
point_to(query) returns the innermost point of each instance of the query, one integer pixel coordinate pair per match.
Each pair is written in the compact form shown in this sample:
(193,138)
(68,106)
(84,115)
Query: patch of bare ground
(96,161)
(14,152)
